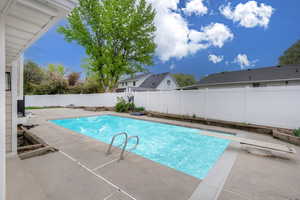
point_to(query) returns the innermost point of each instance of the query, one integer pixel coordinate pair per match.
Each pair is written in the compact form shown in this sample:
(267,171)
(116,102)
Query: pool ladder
(124,144)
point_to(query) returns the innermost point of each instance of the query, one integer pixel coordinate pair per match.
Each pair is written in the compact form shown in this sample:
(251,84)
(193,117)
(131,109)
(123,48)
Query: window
(168,82)
(126,83)
(7,81)
(133,83)
(122,83)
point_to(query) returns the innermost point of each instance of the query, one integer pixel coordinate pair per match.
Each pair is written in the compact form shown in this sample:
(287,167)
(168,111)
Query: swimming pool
(180,148)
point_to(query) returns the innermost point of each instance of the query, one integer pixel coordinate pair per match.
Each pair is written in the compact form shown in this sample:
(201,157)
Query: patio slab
(265,178)
(142,178)
(20,184)
(91,154)
(53,177)
(118,196)
(148,180)
(251,177)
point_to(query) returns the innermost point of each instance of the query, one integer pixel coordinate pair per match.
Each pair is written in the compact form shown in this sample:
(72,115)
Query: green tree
(184,79)
(91,85)
(93,80)
(33,76)
(118,36)
(291,55)
(58,69)
(54,84)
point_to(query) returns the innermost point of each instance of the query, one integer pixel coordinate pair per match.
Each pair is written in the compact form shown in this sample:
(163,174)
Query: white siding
(20,78)
(2,109)
(167,84)
(8,123)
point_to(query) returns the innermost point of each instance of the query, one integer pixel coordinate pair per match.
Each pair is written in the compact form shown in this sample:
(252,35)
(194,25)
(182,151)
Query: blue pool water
(180,148)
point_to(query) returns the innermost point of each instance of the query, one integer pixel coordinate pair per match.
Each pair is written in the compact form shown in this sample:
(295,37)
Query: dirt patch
(98,109)
(30,145)
(225,124)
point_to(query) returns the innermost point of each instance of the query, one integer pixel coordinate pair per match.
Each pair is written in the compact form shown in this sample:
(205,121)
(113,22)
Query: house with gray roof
(148,82)
(281,75)
(133,81)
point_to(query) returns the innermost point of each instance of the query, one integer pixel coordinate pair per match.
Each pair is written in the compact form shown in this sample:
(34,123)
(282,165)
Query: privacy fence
(271,106)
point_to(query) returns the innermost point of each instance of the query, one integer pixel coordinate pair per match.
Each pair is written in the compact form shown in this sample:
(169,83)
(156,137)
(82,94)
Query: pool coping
(157,120)
(198,129)
(212,185)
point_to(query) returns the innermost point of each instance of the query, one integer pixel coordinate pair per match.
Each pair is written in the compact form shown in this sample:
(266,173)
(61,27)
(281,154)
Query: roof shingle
(154,80)
(253,75)
(135,77)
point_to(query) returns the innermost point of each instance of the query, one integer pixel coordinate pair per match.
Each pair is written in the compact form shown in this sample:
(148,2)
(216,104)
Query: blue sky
(200,37)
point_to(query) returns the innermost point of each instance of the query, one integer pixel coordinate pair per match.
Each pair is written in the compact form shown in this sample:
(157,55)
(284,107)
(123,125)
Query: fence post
(205,102)
(147,100)
(245,104)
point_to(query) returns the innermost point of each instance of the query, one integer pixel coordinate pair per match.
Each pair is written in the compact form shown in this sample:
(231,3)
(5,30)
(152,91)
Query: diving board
(251,142)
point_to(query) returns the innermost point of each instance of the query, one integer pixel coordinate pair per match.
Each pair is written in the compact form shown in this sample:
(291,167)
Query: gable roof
(266,74)
(135,77)
(154,80)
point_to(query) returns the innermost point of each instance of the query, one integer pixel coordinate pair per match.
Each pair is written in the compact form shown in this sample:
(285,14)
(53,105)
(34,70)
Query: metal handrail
(137,142)
(124,146)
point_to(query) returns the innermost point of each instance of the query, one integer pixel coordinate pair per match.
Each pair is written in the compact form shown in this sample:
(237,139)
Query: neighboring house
(148,82)
(134,81)
(261,77)
(21,24)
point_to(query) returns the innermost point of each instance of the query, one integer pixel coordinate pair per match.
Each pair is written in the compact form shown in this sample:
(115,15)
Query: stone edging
(286,137)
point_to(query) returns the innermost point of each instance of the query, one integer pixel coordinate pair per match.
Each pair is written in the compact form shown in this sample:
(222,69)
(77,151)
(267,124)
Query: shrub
(139,109)
(91,86)
(123,106)
(130,106)
(76,89)
(297,132)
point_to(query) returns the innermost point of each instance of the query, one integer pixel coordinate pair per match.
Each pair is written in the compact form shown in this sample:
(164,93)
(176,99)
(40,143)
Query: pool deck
(81,170)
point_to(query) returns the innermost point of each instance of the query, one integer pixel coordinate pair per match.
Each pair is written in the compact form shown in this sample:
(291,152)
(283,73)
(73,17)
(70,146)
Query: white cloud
(174,38)
(171,36)
(214,58)
(249,15)
(172,66)
(214,34)
(195,7)
(243,61)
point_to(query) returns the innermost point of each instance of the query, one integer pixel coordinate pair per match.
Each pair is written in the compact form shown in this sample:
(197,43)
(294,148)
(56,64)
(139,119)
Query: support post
(14,112)
(2,109)
(21,78)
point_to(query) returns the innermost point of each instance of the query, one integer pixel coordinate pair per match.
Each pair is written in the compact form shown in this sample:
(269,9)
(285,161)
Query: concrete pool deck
(82,171)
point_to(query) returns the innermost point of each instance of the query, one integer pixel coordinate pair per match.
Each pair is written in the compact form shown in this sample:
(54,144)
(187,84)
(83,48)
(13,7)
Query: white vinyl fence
(88,100)
(271,106)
